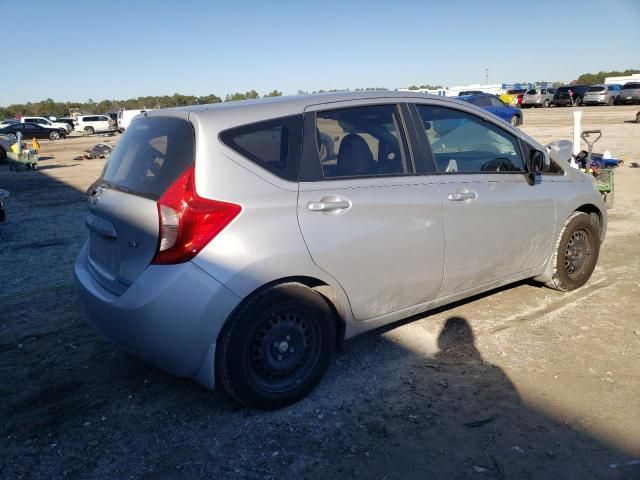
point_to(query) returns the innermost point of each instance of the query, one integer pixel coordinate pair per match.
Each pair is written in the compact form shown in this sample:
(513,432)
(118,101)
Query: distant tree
(595,78)
(414,87)
(273,93)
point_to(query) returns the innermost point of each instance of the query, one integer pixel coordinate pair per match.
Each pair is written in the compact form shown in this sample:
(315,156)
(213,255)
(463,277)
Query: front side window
(274,144)
(361,142)
(464,143)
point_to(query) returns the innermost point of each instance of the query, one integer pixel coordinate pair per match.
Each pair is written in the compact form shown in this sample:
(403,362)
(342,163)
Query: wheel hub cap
(577,252)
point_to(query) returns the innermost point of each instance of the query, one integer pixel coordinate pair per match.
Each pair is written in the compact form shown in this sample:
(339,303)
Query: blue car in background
(496,106)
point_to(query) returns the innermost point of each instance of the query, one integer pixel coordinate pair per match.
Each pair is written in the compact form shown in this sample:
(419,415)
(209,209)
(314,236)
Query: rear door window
(361,142)
(151,154)
(274,145)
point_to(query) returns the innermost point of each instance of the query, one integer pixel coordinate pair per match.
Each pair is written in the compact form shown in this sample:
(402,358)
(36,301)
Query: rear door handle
(462,195)
(329,204)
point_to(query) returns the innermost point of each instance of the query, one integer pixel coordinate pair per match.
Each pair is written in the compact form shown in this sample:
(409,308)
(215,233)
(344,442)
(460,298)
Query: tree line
(62,109)
(596,78)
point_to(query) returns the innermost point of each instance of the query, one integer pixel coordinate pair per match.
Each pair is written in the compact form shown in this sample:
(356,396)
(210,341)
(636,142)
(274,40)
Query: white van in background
(125,117)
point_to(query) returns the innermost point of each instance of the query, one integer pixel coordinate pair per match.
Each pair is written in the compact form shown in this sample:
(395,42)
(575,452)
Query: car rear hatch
(595,93)
(123,212)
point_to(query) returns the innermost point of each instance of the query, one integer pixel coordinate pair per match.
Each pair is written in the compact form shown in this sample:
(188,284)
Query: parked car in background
(538,97)
(602,94)
(517,95)
(282,255)
(630,93)
(496,106)
(33,130)
(8,121)
(469,92)
(90,124)
(46,122)
(69,121)
(568,96)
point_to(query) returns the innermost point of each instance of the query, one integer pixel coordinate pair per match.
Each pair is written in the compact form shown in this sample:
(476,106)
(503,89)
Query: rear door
(366,218)
(496,224)
(123,214)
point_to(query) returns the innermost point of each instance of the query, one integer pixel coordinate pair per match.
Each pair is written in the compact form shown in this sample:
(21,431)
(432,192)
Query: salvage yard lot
(542,385)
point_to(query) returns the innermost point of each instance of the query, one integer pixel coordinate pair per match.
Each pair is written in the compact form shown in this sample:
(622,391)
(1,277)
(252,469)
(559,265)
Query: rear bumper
(171,316)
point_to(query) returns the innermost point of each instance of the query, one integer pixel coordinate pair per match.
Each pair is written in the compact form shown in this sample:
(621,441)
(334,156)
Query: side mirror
(535,165)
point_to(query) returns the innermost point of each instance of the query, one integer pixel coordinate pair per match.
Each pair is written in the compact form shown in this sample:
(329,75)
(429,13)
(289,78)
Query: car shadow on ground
(74,405)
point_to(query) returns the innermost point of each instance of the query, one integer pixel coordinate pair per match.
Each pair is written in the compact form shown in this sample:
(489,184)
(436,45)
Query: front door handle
(329,204)
(462,195)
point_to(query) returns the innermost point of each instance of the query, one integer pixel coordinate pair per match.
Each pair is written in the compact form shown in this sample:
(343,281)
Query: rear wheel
(54,136)
(545,104)
(611,101)
(277,347)
(89,131)
(576,252)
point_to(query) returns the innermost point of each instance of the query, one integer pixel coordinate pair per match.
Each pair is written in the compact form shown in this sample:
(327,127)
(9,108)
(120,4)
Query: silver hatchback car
(233,243)
(538,97)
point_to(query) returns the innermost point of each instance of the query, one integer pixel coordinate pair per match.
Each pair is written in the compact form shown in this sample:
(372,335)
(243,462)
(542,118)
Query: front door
(496,224)
(366,218)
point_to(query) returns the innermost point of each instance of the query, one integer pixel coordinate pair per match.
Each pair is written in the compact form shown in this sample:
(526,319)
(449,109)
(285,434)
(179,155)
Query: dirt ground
(519,383)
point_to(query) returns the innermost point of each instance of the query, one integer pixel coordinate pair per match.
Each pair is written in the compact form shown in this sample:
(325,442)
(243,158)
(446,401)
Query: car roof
(297,103)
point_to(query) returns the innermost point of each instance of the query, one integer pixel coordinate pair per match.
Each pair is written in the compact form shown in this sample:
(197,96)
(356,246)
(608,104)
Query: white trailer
(125,117)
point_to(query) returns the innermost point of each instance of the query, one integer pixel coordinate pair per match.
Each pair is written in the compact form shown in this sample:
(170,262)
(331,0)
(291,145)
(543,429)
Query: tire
(515,121)
(578,102)
(608,200)
(576,252)
(89,131)
(611,102)
(54,136)
(256,360)
(546,104)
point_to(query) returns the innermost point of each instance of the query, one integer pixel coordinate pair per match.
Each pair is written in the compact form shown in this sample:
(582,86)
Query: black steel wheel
(277,346)
(576,252)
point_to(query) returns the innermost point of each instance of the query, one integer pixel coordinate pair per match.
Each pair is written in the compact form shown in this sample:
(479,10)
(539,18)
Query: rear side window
(631,85)
(151,154)
(274,145)
(361,142)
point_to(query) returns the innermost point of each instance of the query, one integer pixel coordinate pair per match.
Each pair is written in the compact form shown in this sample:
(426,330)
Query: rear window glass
(564,89)
(273,145)
(151,154)
(532,92)
(632,85)
(596,89)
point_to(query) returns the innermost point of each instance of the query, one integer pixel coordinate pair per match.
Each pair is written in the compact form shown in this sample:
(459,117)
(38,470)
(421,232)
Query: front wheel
(277,347)
(576,252)
(54,136)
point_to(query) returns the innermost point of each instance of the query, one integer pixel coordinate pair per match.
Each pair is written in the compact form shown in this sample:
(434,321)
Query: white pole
(577,120)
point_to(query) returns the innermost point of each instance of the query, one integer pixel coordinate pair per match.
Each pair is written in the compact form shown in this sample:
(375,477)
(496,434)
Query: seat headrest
(355,157)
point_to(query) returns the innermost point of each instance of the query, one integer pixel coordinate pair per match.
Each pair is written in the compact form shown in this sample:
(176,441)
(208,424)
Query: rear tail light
(189,222)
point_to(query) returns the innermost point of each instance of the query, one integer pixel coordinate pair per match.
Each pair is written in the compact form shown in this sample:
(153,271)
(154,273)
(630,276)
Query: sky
(120,49)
